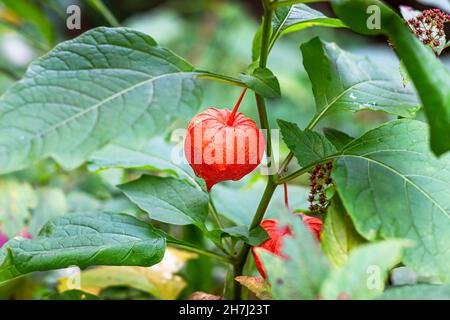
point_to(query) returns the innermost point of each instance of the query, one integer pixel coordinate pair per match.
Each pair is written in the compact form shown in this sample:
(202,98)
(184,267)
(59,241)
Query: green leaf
(88,91)
(307,146)
(300,276)
(364,273)
(339,236)
(168,200)
(393,187)
(253,237)
(429,75)
(16,201)
(84,240)
(263,82)
(256,46)
(299,17)
(417,292)
(338,138)
(345,82)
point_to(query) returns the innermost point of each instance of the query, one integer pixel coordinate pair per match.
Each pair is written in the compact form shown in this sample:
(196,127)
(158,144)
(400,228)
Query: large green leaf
(302,274)
(417,292)
(339,236)
(298,17)
(392,186)
(16,201)
(87,91)
(429,75)
(84,240)
(345,82)
(168,199)
(364,274)
(307,146)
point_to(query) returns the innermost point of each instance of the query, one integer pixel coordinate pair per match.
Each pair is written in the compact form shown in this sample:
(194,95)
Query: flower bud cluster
(320,180)
(428,26)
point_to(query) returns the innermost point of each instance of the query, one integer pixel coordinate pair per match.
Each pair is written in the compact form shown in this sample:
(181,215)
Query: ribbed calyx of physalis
(278,233)
(223,145)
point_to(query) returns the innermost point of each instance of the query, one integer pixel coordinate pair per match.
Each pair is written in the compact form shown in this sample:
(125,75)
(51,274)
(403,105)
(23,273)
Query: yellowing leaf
(257,285)
(159,280)
(339,236)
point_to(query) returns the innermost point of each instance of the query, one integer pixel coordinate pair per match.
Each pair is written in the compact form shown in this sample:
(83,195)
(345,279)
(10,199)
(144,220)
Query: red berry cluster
(320,180)
(429,27)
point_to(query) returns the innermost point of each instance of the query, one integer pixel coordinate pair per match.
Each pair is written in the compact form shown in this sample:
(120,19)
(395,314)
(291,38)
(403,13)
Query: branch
(271,185)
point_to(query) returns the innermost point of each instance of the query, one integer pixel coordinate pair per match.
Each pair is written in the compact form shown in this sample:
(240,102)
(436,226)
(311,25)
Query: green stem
(214,213)
(304,170)
(294,175)
(263,118)
(266,31)
(220,78)
(105,12)
(271,185)
(216,218)
(200,251)
(257,218)
(285,163)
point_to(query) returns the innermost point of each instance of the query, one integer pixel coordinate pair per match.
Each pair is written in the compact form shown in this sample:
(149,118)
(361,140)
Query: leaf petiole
(199,251)
(219,78)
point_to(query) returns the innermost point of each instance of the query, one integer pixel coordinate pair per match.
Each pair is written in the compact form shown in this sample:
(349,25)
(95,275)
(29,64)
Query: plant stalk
(243,253)
(304,170)
(219,78)
(241,258)
(201,251)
